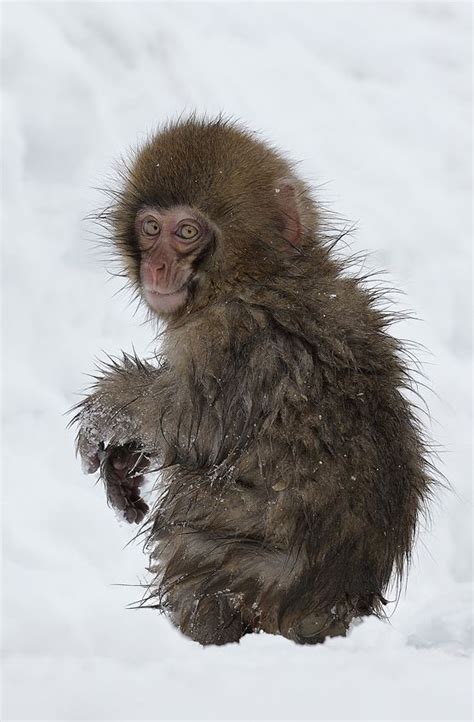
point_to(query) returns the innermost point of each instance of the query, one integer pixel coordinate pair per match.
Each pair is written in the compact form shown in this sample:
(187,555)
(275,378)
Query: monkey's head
(205,209)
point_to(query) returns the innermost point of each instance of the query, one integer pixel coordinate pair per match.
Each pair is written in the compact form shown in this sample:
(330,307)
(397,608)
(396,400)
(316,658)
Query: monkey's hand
(102,444)
(122,469)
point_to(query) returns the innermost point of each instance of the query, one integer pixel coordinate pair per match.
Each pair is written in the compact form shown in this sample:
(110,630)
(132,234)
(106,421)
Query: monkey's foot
(122,469)
(213,620)
(315,628)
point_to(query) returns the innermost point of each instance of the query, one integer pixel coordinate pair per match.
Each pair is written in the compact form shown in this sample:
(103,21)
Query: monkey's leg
(216,590)
(200,584)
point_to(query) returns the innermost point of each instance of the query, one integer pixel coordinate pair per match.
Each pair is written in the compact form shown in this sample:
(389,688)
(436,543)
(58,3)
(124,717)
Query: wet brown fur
(293,467)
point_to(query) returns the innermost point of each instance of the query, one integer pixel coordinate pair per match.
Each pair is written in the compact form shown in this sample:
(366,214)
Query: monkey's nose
(157,270)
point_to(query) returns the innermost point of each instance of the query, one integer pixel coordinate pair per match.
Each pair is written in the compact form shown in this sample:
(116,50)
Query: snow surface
(375,99)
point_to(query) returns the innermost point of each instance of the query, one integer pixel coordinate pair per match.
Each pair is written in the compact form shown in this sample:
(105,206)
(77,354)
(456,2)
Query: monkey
(293,468)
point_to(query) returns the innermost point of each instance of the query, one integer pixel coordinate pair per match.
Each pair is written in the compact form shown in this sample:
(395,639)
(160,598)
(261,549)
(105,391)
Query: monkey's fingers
(136,512)
(126,500)
(124,496)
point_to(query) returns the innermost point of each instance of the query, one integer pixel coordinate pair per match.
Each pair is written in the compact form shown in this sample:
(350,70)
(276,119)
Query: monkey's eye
(188,232)
(150,227)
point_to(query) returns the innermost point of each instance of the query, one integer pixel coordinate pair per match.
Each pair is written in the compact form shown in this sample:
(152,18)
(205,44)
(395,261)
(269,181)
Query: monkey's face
(206,213)
(173,246)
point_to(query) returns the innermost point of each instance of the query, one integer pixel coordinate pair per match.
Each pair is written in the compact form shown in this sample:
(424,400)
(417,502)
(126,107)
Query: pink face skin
(169,241)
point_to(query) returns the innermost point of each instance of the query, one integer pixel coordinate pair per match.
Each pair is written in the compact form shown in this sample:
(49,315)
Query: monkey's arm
(116,431)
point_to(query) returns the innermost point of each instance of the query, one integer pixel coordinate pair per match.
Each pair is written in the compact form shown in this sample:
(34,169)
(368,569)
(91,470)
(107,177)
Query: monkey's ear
(286,197)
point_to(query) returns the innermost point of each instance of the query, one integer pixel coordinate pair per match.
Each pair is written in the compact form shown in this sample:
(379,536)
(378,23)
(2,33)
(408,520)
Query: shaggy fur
(293,468)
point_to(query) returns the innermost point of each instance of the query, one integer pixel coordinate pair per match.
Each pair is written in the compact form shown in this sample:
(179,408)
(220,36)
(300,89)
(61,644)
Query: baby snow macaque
(292,468)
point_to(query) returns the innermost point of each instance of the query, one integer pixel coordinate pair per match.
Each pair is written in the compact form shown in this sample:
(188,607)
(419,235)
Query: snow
(375,100)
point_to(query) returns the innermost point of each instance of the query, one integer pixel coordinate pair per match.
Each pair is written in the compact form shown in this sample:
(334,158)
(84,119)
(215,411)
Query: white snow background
(375,101)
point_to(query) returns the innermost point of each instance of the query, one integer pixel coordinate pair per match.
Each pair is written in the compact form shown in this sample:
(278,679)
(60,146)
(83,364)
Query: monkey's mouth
(169,301)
